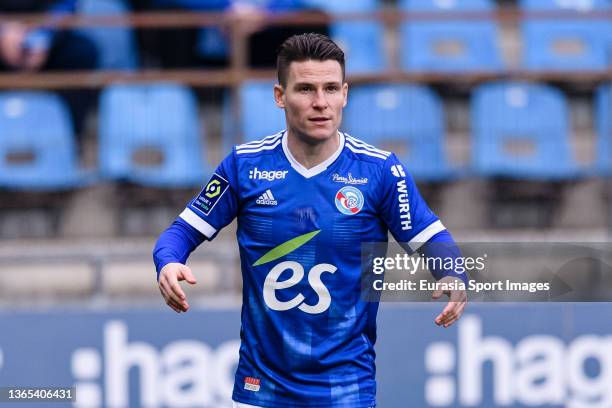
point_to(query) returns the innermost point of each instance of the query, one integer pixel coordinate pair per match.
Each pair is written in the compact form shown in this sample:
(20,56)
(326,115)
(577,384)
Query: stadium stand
(38,158)
(150,135)
(454,45)
(129,277)
(521,145)
(254,124)
(361,41)
(603,106)
(116,46)
(406,119)
(210,46)
(136,130)
(566,43)
(515,135)
(71,279)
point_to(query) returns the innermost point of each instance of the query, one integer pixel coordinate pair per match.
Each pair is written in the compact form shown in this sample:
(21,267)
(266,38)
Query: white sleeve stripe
(196,222)
(259,149)
(263,139)
(363,145)
(259,143)
(425,235)
(366,152)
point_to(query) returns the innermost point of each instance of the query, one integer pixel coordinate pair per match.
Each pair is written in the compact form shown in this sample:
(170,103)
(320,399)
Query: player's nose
(319,100)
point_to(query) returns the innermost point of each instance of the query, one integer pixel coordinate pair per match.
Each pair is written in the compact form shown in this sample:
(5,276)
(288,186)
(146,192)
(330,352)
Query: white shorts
(241,405)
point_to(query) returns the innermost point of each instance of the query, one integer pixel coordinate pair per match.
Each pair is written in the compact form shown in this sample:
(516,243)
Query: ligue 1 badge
(349,200)
(208,198)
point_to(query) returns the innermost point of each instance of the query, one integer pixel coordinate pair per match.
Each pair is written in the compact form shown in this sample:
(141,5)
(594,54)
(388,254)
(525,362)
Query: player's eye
(304,88)
(332,88)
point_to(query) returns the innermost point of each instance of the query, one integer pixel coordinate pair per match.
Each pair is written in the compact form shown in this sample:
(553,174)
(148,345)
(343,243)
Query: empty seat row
(148,135)
(519,130)
(151,134)
(445,45)
(558,44)
(37,146)
(473,44)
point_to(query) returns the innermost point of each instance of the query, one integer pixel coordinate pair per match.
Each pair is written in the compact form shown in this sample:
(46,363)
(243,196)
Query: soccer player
(307,335)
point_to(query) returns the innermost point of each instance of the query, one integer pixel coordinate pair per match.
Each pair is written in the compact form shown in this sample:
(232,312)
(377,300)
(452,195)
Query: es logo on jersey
(349,200)
(211,194)
(270,175)
(272,284)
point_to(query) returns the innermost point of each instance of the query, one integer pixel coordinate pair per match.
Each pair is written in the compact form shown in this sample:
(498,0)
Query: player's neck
(310,154)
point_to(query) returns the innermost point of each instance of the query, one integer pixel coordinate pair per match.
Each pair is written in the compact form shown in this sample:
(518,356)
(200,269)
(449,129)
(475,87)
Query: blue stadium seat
(260,115)
(566,44)
(405,119)
(450,45)
(160,123)
(521,130)
(603,106)
(116,45)
(361,41)
(37,146)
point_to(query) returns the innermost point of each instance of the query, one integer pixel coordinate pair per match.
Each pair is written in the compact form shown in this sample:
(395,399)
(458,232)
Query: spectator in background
(210,46)
(23,48)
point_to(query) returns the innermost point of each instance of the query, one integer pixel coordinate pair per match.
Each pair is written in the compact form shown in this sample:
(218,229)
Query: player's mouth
(320,119)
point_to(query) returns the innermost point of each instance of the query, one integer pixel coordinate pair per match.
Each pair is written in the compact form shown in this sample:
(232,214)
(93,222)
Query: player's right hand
(173,294)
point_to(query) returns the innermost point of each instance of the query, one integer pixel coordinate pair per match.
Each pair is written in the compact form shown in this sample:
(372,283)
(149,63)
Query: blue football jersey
(307,336)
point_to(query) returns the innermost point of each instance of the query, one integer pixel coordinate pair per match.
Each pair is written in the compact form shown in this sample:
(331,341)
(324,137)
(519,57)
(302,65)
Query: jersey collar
(319,168)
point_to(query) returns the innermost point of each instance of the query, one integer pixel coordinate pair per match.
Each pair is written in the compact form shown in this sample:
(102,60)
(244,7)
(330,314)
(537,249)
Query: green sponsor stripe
(285,248)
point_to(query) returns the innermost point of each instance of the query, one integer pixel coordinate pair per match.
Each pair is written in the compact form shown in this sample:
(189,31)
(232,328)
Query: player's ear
(279,92)
(345,93)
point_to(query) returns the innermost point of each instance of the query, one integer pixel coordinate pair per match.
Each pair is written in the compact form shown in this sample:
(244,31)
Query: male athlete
(307,336)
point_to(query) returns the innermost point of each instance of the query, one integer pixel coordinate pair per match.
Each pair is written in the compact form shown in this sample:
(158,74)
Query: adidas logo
(266,198)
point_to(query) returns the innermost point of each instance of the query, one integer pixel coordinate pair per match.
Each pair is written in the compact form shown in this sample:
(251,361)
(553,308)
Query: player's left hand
(454,309)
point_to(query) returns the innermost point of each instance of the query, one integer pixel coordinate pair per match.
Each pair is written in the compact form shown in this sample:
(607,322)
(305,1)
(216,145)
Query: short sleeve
(403,209)
(217,204)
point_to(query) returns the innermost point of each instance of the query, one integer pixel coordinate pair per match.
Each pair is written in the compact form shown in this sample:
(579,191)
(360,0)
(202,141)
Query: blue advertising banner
(511,355)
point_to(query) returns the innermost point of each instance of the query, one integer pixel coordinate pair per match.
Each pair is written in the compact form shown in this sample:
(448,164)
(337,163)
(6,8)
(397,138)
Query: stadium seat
(521,131)
(406,119)
(116,46)
(362,41)
(260,115)
(150,135)
(37,146)
(566,44)
(450,45)
(603,106)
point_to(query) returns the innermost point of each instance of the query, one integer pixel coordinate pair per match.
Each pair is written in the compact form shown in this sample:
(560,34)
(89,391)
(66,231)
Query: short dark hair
(303,47)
